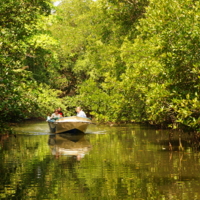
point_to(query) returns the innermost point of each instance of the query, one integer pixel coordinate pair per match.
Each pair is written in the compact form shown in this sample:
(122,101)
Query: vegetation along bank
(122,60)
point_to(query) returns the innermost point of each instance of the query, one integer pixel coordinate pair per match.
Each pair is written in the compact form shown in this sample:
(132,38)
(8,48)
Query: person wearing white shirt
(55,115)
(80,113)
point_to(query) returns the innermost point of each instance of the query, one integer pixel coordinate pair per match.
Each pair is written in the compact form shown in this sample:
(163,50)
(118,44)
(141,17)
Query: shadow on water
(176,141)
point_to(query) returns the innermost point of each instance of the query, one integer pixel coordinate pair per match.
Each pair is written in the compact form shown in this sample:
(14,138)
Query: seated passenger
(55,115)
(60,111)
(80,113)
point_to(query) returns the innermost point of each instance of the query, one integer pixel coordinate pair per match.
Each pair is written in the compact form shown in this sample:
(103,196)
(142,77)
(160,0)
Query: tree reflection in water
(127,162)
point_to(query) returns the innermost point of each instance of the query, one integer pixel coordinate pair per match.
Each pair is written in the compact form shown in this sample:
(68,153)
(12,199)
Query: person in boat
(55,115)
(60,111)
(80,112)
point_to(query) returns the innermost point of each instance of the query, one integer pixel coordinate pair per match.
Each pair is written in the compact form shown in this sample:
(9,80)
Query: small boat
(72,124)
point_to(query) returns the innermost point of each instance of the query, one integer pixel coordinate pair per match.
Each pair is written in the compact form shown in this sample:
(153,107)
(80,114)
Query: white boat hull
(69,124)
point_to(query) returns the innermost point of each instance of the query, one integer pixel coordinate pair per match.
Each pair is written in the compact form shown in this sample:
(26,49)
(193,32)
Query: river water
(106,163)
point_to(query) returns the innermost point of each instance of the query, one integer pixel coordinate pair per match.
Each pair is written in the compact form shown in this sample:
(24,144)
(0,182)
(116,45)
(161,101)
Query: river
(106,163)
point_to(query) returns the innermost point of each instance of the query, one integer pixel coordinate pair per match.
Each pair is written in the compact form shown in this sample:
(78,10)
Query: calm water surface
(108,163)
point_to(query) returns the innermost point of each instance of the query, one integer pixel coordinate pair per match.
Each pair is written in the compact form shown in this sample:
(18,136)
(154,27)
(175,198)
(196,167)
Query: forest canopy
(122,60)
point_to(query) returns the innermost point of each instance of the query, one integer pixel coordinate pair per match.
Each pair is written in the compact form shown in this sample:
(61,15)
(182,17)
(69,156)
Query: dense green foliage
(132,61)
(120,60)
(166,59)
(27,63)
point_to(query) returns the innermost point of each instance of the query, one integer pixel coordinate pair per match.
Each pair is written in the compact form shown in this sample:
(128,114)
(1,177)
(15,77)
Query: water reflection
(69,145)
(126,162)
